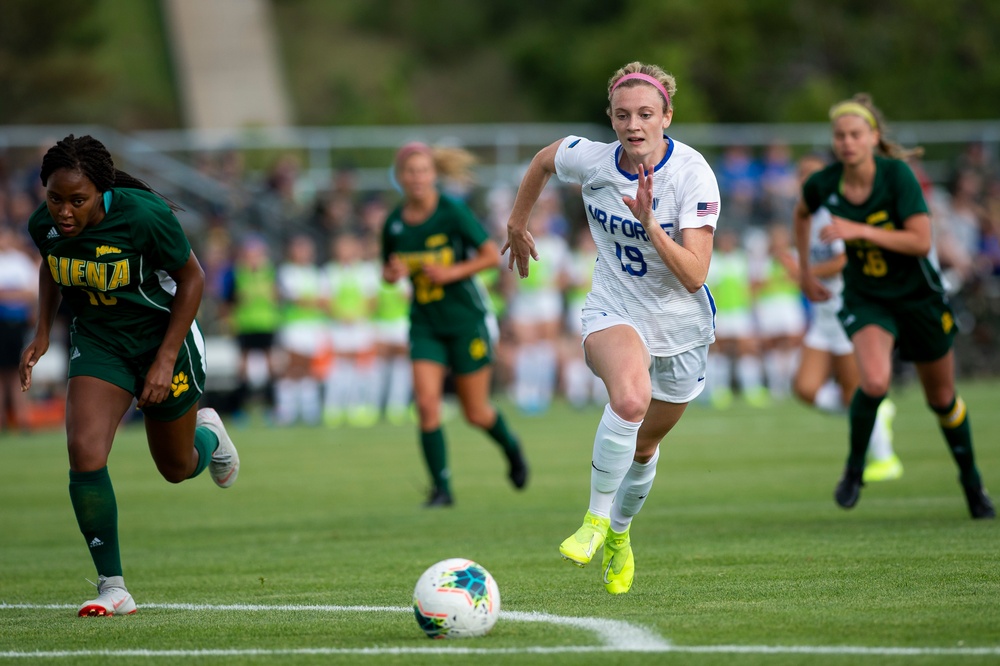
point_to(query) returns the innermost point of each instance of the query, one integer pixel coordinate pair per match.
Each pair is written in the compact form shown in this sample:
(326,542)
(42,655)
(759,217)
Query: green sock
(954,420)
(206,442)
(502,435)
(93,500)
(862,415)
(437,458)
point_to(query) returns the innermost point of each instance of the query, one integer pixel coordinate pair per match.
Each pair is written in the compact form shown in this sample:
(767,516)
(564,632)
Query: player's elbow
(692,284)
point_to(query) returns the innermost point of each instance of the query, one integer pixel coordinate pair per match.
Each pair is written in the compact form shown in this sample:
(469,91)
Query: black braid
(89,156)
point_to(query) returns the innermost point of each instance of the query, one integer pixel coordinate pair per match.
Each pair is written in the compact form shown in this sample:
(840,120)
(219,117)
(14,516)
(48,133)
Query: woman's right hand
(813,288)
(34,351)
(394,269)
(521,245)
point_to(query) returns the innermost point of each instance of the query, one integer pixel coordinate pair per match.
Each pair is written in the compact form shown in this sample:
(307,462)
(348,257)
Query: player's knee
(428,413)
(804,392)
(631,406)
(173,473)
(480,416)
(875,385)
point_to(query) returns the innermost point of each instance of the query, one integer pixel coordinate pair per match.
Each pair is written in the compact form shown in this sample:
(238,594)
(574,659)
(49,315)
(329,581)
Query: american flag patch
(708,208)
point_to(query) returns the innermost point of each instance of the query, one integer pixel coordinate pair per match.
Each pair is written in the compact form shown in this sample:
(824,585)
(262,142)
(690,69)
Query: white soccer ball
(456,598)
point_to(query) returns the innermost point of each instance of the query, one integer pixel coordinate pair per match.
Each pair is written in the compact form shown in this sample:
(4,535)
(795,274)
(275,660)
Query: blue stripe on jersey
(635,176)
(711,302)
(573,144)
(107,201)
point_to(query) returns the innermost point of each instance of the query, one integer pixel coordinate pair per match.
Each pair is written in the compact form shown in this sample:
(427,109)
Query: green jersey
(729,280)
(447,237)
(114,275)
(871,270)
(256,297)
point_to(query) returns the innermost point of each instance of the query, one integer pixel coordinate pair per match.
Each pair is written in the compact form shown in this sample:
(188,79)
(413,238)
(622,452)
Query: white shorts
(735,325)
(305,338)
(533,307)
(677,379)
(780,317)
(352,338)
(394,333)
(826,333)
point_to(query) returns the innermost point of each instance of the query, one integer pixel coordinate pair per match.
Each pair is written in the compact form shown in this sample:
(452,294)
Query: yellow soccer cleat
(889,469)
(619,564)
(580,547)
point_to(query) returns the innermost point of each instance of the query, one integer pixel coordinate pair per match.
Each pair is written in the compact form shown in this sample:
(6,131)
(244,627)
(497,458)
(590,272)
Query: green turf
(739,544)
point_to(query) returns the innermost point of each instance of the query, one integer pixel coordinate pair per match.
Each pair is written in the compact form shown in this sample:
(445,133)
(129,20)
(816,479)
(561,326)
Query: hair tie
(639,76)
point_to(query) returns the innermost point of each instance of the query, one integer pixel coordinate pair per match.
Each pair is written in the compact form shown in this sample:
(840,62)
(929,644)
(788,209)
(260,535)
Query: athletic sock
(614,448)
(502,435)
(436,457)
(864,409)
(96,510)
(954,420)
(880,444)
(829,398)
(205,443)
(632,493)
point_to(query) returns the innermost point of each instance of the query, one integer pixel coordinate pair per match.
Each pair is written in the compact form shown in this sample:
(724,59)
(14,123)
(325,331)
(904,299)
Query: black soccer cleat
(848,489)
(438,498)
(518,472)
(980,505)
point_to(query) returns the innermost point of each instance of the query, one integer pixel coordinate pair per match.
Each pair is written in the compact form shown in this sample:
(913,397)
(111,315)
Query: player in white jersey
(652,204)
(827,375)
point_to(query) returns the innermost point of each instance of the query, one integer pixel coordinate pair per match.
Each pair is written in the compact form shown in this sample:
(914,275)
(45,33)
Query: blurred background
(274,122)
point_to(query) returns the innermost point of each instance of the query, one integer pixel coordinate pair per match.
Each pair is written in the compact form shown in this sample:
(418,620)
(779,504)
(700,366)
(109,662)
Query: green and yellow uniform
(901,293)
(255,294)
(447,322)
(114,277)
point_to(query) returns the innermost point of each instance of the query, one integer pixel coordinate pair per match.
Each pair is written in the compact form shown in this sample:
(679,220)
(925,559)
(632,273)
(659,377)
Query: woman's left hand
(439,274)
(157,385)
(841,229)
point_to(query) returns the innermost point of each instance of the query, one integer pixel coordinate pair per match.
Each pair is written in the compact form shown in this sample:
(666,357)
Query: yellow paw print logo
(179,384)
(478,349)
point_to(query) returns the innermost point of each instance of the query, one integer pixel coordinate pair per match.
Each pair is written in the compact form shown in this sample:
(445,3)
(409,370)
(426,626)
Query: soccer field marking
(614,635)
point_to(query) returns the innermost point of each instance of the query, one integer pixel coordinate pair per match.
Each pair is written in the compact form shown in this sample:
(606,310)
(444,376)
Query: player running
(435,240)
(893,297)
(652,205)
(115,252)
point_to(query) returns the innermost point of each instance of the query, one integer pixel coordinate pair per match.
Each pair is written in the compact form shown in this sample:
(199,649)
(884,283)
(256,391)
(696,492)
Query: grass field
(742,556)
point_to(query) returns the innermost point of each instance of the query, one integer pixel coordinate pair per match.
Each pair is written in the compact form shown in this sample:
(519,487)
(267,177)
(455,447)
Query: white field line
(614,635)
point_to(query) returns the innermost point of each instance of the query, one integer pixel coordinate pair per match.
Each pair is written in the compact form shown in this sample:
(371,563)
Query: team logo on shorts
(947,322)
(179,384)
(477,349)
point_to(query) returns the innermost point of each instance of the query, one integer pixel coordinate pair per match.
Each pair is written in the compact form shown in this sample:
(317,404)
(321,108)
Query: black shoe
(848,488)
(518,472)
(438,498)
(980,505)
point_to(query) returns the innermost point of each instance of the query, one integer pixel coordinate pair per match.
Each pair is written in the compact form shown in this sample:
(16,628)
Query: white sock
(546,365)
(772,369)
(309,400)
(524,392)
(750,372)
(576,377)
(400,384)
(720,372)
(285,394)
(880,444)
(632,492)
(829,398)
(368,383)
(614,448)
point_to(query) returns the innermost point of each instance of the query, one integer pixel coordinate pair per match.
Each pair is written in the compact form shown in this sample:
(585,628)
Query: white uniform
(825,331)
(303,334)
(355,286)
(631,284)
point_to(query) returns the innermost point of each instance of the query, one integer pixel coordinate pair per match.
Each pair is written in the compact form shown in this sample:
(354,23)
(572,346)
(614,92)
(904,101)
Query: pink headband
(639,76)
(410,149)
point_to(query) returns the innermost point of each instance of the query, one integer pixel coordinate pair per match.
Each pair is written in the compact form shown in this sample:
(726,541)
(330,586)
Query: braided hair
(91,158)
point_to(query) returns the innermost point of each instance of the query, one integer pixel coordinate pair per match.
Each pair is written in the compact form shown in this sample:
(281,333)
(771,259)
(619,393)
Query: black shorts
(12,339)
(255,341)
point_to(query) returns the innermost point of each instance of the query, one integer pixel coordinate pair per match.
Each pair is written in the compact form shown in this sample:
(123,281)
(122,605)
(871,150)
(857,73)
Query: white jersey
(629,273)
(819,252)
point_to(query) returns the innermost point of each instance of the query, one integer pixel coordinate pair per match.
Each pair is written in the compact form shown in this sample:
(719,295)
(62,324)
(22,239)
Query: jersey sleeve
(811,194)
(575,159)
(159,236)
(698,198)
(909,196)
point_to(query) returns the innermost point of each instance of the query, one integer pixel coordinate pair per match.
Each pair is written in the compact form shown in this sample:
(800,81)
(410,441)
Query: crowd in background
(302,328)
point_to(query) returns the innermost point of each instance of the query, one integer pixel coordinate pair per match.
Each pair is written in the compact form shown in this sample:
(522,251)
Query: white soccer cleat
(225,464)
(112,599)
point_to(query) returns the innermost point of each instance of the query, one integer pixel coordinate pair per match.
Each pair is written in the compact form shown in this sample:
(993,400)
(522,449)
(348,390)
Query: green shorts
(463,351)
(924,329)
(89,358)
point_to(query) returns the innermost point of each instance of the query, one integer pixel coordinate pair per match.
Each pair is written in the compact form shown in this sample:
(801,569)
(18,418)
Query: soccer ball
(456,598)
